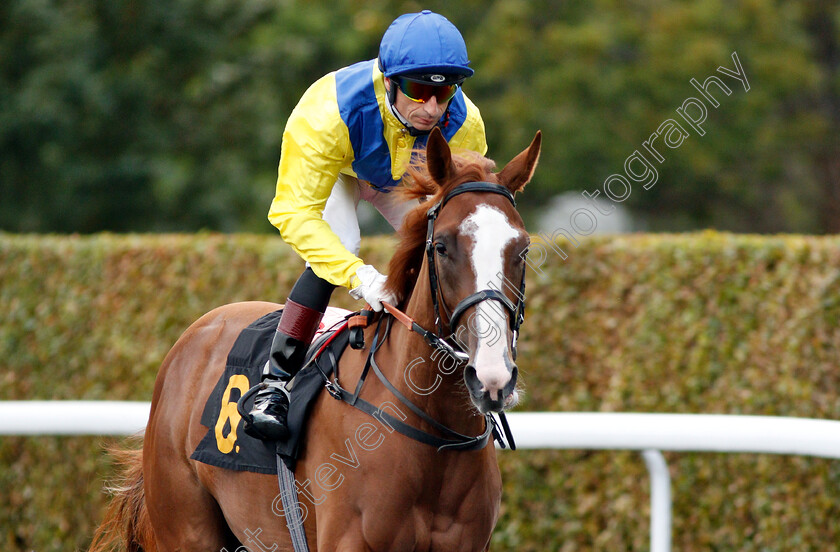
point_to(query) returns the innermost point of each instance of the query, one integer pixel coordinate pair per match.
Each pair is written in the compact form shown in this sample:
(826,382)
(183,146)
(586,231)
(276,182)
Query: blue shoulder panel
(457,116)
(360,112)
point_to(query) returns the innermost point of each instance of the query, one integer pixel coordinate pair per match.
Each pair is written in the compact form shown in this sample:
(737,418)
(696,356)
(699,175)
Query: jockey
(351,138)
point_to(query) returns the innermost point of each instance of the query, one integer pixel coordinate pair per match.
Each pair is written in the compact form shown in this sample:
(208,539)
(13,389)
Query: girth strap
(291,506)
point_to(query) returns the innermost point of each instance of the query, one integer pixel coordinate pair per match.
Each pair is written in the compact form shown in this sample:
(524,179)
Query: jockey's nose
(432,107)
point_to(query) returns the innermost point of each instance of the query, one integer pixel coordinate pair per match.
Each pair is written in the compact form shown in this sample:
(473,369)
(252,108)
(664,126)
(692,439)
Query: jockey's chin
(422,116)
(423,122)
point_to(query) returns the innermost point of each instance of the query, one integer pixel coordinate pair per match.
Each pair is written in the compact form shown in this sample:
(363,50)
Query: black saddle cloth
(225,444)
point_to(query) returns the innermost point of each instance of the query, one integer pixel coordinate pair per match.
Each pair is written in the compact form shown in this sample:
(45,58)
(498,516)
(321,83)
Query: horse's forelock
(406,262)
(469,167)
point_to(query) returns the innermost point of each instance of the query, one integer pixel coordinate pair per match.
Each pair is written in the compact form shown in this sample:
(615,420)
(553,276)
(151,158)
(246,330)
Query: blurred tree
(822,20)
(129,115)
(600,77)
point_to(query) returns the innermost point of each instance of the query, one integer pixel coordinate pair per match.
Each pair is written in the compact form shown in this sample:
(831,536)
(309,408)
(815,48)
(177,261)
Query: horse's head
(476,243)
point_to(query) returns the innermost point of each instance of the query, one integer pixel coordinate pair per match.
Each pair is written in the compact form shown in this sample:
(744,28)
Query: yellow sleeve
(471,135)
(316,147)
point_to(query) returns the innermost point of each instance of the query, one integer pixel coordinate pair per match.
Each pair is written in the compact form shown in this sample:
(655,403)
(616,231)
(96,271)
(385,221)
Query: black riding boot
(271,404)
(297,326)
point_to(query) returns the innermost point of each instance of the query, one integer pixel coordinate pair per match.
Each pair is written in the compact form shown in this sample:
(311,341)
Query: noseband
(517,312)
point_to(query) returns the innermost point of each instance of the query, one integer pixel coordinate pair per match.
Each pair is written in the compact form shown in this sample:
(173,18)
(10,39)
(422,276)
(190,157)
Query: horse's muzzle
(493,399)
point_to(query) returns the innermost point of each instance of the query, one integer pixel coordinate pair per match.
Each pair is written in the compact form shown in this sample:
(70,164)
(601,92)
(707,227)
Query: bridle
(517,312)
(452,440)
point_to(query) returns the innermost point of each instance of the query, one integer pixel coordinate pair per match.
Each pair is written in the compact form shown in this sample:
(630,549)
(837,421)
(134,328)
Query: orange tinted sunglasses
(421,92)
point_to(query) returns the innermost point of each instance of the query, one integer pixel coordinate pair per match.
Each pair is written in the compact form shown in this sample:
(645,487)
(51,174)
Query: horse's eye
(440,249)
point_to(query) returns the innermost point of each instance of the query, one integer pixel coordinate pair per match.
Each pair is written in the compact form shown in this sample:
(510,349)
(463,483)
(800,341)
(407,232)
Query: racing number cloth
(225,444)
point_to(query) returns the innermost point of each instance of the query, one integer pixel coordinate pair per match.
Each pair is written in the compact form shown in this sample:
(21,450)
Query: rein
(453,439)
(459,356)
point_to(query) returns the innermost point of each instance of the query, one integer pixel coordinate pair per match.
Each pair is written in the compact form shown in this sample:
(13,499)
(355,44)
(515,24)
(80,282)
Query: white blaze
(490,231)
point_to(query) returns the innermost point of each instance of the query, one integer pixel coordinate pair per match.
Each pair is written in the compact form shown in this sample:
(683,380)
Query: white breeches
(340,210)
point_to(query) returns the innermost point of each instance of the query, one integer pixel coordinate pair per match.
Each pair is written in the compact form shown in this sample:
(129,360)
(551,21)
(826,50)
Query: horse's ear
(519,171)
(439,157)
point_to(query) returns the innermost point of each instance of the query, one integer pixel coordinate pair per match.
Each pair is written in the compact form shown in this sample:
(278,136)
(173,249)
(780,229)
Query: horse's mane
(418,184)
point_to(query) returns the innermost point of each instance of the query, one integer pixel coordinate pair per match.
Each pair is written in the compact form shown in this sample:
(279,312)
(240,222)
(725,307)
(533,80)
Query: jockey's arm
(316,147)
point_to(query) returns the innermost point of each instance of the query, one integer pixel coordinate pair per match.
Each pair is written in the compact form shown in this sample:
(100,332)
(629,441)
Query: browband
(488,187)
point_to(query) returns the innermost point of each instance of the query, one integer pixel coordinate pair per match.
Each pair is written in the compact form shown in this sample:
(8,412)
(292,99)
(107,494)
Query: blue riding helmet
(421,44)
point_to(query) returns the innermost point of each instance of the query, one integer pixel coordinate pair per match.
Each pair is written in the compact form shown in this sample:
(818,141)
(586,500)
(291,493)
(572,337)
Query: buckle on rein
(356,326)
(333,390)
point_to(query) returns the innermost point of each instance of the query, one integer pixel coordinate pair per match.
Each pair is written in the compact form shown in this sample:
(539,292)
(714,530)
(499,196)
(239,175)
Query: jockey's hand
(371,288)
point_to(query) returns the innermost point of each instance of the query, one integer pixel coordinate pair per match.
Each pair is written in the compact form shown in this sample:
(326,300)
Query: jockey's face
(422,116)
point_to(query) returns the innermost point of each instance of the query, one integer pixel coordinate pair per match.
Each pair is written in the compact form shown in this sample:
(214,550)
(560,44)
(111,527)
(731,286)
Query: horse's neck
(429,379)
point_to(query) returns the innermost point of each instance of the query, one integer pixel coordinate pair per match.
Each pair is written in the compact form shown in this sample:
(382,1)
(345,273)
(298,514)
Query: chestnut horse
(362,486)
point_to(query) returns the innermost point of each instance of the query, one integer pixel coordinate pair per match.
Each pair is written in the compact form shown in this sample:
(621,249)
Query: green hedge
(701,323)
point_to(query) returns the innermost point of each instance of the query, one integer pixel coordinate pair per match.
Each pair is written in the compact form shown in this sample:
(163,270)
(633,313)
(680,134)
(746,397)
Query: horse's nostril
(471,379)
(511,385)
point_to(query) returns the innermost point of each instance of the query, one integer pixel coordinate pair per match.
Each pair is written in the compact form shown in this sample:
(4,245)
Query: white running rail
(646,433)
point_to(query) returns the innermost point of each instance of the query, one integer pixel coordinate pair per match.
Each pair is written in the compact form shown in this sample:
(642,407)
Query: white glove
(372,288)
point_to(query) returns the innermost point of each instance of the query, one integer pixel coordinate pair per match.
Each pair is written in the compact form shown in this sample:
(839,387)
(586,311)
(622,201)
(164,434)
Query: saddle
(226,445)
